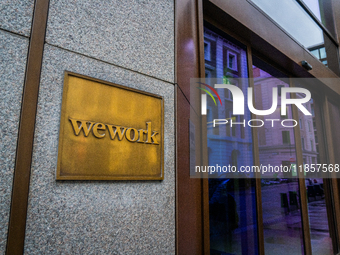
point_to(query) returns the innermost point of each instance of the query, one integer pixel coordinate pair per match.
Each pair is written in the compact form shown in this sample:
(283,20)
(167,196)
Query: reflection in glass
(318,218)
(291,17)
(334,113)
(232,205)
(314,6)
(322,10)
(319,201)
(280,191)
(232,216)
(320,53)
(298,23)
(320,209)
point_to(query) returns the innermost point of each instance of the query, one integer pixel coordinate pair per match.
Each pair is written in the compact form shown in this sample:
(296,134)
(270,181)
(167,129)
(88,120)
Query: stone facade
(130,43)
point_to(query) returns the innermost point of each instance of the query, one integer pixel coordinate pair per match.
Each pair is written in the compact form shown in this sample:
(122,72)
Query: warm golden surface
(98,138)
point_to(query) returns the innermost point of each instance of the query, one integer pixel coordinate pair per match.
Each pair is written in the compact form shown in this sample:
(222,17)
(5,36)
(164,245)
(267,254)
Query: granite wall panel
(16,16)
(96,217)
(13,54)
(137,35)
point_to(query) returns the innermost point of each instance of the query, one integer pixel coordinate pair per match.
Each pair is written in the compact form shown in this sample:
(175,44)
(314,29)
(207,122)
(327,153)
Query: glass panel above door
(297,22)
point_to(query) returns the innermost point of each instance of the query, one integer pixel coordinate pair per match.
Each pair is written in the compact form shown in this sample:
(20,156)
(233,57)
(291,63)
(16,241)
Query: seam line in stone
(14,33)
(112,64)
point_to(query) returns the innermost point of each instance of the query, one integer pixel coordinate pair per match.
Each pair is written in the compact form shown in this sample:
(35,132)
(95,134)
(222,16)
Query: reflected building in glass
(276,140)
(232,205)
(227,60)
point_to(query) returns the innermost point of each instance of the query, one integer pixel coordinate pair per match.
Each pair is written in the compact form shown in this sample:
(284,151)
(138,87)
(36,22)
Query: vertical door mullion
(256,160)
(329,198)
(204,136)
(302,185)
(331,160)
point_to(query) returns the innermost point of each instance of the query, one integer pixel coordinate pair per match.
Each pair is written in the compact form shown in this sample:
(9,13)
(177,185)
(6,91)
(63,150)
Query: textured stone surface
(138,35)
(118,217)
(16,15)
(13,52)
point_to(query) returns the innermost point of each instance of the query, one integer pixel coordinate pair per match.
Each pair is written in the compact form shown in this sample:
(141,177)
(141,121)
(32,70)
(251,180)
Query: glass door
(281,212)
(232,205)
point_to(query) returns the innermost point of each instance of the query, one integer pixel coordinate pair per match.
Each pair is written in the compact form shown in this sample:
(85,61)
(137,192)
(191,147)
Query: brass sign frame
(103,137)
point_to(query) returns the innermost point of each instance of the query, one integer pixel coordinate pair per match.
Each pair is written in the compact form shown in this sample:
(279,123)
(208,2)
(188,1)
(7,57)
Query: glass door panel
(319,195)
(232,202)
(281,207)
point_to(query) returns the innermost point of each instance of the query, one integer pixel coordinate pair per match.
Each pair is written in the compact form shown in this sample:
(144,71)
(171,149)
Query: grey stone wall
(96,217)
(125,42)
(13,53)
(16,16)
(135,34)
(15,28)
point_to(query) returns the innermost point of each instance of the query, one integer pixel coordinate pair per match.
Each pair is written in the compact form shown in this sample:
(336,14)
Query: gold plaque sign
(109,132)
